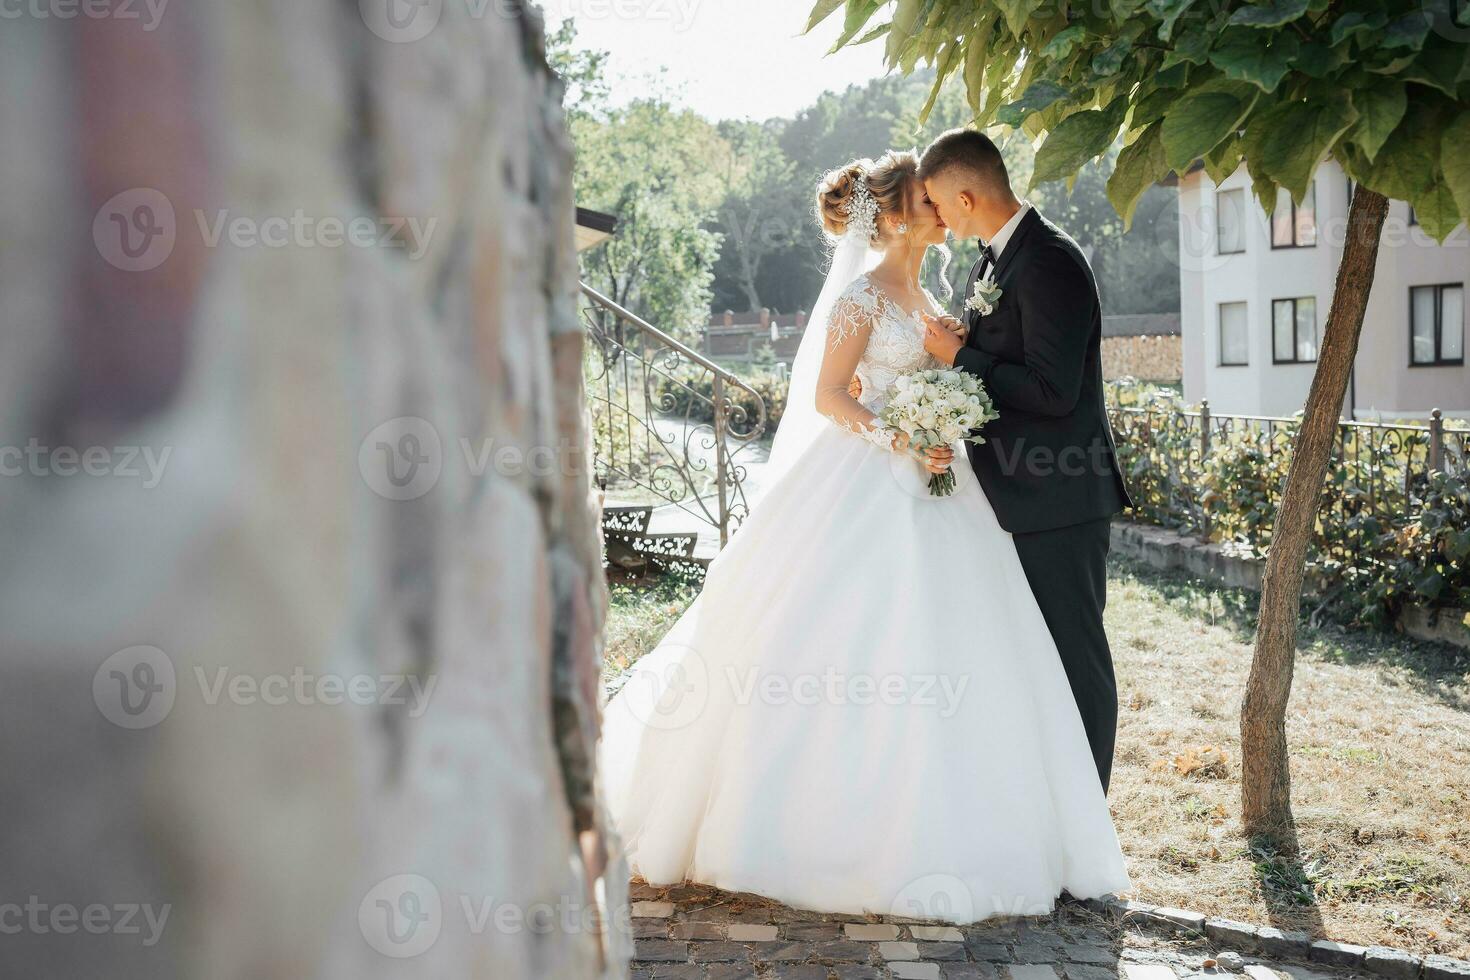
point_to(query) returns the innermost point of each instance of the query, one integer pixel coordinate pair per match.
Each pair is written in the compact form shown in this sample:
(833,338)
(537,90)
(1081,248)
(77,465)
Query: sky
(726,59)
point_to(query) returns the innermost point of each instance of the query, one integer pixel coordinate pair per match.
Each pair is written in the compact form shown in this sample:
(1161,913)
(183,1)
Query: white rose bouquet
(937,408)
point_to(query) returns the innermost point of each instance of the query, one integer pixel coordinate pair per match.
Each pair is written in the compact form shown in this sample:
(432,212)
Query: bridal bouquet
(936,408)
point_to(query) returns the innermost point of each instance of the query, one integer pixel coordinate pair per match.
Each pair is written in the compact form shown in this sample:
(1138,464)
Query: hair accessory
(862,211)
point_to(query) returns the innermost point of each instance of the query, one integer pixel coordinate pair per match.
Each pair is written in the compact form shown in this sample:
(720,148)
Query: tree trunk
(749,263)
(751,295)
(1265,775)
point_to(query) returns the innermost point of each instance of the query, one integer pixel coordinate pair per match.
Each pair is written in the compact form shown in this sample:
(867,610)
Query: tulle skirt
(862,712)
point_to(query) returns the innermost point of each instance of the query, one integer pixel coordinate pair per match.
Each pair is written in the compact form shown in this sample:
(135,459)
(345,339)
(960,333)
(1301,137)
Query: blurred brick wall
(1151,358)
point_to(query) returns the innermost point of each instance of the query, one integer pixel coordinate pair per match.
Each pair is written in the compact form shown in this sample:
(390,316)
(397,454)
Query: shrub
(690,394)
(1389,532)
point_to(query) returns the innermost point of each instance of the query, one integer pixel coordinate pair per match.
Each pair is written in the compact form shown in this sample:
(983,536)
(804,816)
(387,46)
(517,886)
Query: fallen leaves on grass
(1203,761)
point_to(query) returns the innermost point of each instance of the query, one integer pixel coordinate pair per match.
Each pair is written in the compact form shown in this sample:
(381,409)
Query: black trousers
(1067,569)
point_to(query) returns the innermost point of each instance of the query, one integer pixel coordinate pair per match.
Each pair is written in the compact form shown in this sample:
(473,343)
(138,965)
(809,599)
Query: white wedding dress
(863,711)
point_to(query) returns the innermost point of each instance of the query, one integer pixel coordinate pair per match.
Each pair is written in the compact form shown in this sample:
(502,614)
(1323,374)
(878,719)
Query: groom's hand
(957,327)
(940,340)
(855,389)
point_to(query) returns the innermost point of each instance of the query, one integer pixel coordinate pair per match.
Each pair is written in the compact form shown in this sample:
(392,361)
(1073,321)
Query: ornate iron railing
(666,419)
(1174,458)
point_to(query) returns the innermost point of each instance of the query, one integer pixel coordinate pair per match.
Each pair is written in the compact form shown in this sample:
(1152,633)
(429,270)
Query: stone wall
(301,593)
(1150,358)
(1219,563)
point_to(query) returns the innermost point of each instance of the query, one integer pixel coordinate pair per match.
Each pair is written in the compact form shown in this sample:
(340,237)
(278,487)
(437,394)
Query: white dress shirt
(998,242)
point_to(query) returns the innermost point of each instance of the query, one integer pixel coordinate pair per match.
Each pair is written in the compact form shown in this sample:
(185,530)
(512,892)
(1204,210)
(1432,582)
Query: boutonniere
(984,296)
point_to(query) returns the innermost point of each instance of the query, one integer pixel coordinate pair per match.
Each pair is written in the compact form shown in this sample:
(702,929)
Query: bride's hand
(939,459)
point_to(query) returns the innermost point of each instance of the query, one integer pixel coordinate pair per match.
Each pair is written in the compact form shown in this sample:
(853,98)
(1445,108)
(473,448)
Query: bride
(863,711)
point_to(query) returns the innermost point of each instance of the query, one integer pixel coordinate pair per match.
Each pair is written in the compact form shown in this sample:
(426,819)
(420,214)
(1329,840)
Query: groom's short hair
(971,152)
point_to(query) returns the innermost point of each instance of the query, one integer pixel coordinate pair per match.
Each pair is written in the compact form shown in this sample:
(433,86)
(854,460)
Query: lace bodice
(895,343)
(873,337)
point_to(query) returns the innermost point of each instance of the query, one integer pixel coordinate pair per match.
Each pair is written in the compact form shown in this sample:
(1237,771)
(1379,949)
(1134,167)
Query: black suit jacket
(1049,459)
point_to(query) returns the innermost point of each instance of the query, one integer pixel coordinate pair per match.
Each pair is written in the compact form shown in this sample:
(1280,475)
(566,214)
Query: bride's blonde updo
(887,177)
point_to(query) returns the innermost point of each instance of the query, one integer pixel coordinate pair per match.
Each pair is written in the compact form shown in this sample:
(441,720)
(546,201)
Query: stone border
(1172,551)
(1242,937)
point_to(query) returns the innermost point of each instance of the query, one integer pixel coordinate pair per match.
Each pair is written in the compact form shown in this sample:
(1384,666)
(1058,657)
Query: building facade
(1255,291)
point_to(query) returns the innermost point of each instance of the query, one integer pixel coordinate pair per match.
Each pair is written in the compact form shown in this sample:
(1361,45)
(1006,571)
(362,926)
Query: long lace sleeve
(848,330)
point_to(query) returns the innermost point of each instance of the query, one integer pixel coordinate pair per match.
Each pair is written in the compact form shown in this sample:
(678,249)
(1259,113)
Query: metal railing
(1376,470)
(665,418)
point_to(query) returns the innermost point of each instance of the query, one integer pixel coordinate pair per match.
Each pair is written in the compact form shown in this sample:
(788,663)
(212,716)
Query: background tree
(1277,86)
(755,217)
(653,166)
(769,251)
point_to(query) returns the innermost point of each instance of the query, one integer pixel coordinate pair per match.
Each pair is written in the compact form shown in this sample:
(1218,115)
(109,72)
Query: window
(1293,225)
(1234,335)
(1230,221)
(1294,330)
(1436,325)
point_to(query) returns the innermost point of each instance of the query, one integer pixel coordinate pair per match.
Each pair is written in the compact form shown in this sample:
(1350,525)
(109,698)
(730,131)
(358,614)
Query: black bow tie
(987,260)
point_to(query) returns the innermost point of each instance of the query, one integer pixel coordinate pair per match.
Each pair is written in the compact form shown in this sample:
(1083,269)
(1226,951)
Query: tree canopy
(1279,85)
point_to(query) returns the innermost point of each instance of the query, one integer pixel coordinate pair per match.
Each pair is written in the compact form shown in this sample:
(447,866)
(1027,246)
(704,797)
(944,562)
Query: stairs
(632,553)
(669,427)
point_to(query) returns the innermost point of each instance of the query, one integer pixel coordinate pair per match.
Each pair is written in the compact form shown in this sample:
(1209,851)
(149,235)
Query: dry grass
(1379,730)
(1380,737)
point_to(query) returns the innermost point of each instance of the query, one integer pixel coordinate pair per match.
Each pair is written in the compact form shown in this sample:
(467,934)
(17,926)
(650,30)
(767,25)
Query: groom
(1048,464)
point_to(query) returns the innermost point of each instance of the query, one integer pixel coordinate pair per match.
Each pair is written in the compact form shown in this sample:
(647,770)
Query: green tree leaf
(1317,60)
(1017,12)
(821,11)
(1075,140)
(1223,160)
(1272,13)
(1258,57)
(1455,161)
(1168,12)
(1409,160)
(1039,95)
(1201,119)
(1152,106)
(1191,49)
(975,56)
(1107,61)
(1380,109)
(1139,167)
(905,17)
(1354,23)
(859,12)
(1436,210)
(1439,66)
(1060,48)
(1296,135)
(1409,31)
(947,62)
